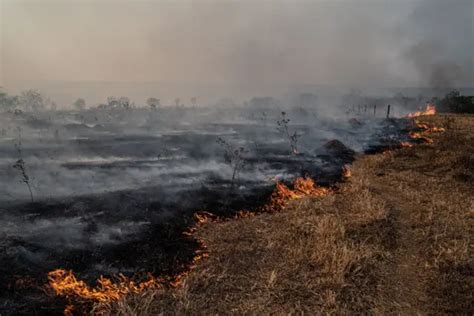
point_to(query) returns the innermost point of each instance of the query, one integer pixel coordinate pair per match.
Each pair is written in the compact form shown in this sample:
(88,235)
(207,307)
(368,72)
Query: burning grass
(421,133)
(302,187)
(108,292)
(394,239)
(301,260)
(65,283)
(430,110)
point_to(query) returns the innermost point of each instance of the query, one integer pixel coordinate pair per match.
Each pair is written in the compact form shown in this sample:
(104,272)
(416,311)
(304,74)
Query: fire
(435,129)
(420,132)
(406,144)
(346,172)
(303,186)
(68,310)
(430,110)
(65,283)
(200,219)
(421,125)
(419,136)
(429,129)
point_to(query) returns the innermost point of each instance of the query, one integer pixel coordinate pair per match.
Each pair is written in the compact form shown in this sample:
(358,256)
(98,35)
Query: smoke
(213,49)
(442,36)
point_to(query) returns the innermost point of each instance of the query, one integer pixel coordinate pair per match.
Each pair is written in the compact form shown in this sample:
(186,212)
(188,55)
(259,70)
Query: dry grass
(395,239)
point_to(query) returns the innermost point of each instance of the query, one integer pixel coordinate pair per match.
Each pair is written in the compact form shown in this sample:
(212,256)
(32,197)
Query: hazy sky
(335,42)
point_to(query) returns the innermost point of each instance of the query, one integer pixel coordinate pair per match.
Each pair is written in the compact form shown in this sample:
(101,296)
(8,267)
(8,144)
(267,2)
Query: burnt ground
(396,238)
(160,248)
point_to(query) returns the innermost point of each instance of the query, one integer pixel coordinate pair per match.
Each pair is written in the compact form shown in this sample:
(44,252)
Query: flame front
(346,172)
(421,134)
(301,187)
(65,283)
(430,110)
(406,144)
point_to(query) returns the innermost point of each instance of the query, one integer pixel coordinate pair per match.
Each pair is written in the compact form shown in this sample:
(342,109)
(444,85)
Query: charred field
(112,192)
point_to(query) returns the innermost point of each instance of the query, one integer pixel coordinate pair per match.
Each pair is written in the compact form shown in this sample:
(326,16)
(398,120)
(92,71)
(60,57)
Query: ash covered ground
(111,191)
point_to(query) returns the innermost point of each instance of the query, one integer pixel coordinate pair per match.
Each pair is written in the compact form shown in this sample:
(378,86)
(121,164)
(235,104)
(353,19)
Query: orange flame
(68,310)
(419,136)
(301,187)
(430,110)
(346,172)
(429,129)
(65,283)
(406,144)
(435,129)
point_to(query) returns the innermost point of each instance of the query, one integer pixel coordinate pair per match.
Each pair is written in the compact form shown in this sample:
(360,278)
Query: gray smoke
(240,49)
(442,33)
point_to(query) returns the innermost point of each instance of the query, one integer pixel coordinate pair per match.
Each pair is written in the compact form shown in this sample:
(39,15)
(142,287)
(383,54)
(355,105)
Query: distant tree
(125,103)
(153,103)
(79,104)
(122,102)
(453,94)
(177,102)
(112,102)
(456,103)
(193,101)
(32,100)
(7,102)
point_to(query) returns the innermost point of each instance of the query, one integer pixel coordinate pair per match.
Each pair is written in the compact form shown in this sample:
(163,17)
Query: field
(395,238)
(109,192)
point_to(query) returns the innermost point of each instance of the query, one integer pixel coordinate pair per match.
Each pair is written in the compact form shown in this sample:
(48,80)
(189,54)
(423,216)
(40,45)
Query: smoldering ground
(114,189)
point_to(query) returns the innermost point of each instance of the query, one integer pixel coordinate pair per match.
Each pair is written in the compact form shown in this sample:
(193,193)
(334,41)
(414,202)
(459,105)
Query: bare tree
(234,156)
(32,100)
(122,102)
(8,102)
(285,131)
(20,165)
(125,103)
(153,103)
(112,102)
(79,104)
